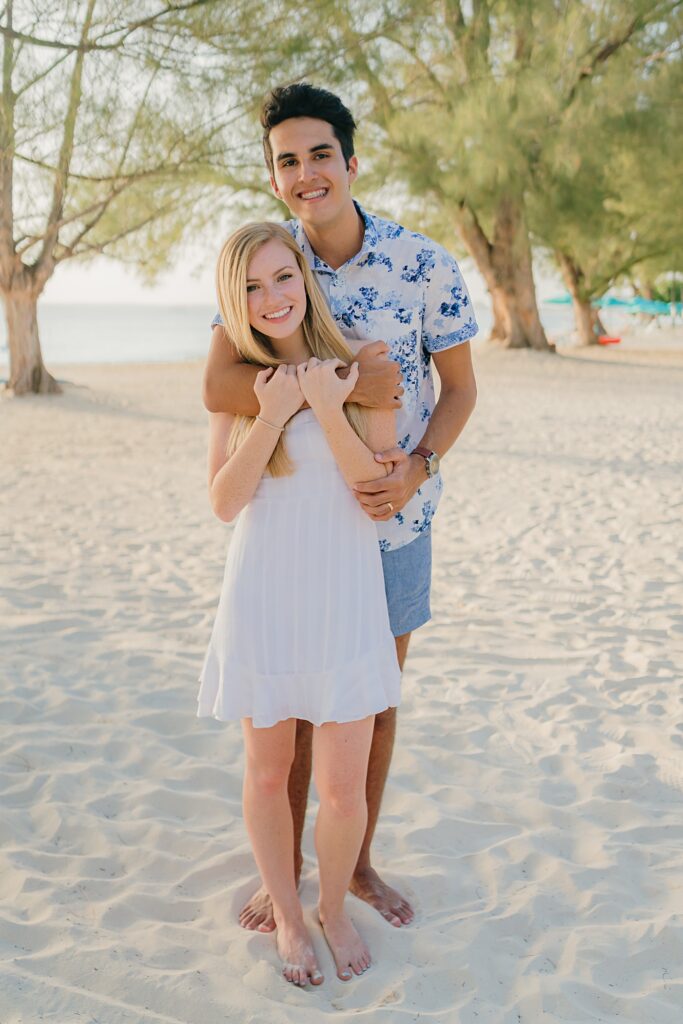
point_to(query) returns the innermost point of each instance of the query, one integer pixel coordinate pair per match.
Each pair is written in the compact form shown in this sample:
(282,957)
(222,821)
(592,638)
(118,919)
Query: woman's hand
(278,393)
(320,385)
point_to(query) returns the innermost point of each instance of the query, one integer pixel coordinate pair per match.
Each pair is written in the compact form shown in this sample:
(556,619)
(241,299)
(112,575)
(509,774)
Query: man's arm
(229,383)
(457,399)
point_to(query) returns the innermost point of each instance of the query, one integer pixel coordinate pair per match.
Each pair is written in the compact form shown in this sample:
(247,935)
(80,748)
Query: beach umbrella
(654,307)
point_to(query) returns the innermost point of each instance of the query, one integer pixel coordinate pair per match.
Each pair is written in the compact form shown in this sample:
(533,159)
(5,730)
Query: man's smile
(318,193)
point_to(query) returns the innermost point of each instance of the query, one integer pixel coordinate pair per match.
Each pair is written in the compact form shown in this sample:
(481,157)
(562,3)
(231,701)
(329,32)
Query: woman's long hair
(322,337)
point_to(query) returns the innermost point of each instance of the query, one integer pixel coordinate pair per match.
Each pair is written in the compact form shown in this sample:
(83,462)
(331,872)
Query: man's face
(310,174)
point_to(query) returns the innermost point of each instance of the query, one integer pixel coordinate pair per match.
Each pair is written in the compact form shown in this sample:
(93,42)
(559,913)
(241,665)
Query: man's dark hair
(304,100)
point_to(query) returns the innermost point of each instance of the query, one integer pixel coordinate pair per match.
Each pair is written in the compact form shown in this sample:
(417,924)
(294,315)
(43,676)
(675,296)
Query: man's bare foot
(367,885)
(296,951)
(257,914)
(348,949)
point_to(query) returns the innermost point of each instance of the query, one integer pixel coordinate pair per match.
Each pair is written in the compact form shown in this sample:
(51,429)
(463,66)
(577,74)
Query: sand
(534,810)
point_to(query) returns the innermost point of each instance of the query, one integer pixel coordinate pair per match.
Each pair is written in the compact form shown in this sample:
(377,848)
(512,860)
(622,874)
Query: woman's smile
(279,314)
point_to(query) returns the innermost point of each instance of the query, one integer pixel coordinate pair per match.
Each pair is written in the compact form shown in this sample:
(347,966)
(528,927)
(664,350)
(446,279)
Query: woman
(302,629)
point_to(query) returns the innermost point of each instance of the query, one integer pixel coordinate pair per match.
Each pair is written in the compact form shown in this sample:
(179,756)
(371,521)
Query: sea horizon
(146,333)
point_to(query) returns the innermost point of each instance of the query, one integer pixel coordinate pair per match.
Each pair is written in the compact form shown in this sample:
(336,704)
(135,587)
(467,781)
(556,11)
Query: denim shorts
(407,582)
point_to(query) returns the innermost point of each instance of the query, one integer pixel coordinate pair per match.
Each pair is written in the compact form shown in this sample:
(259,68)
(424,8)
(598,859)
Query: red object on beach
(603,339)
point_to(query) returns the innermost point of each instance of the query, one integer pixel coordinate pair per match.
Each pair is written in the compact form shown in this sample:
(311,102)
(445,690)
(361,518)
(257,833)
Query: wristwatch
(432,460)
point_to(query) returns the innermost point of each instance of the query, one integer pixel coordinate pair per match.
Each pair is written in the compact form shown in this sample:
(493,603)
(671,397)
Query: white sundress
(302,627)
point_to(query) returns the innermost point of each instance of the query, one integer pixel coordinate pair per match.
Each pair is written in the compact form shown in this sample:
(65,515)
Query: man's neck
(336,243)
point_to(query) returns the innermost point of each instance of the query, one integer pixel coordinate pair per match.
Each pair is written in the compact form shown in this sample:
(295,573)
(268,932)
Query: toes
(404,913)
(392,918)
(316,977)
(256,922)
(294,974)
(344,974)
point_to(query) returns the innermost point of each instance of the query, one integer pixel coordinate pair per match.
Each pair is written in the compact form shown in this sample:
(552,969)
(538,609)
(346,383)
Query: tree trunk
(589,326)
(500,319)
(27,371)
(506,267)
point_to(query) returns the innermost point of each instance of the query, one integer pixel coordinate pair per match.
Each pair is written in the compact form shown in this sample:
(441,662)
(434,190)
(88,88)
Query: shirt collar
(369,244)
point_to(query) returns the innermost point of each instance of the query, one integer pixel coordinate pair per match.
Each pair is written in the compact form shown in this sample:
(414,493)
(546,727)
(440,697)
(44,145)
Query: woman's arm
(325,393)
(233,481)
(355,459)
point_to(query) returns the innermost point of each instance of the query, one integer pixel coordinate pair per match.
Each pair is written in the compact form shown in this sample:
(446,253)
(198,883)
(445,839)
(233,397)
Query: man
(381,282)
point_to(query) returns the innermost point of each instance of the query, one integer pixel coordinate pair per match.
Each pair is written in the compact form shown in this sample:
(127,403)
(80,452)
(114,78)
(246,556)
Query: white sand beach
(534,813)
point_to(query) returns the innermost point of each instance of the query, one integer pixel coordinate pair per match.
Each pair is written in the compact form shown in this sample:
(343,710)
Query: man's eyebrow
(287,266)
(313,149)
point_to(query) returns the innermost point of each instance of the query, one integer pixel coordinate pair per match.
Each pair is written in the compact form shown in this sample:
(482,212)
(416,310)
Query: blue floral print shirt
(406,290)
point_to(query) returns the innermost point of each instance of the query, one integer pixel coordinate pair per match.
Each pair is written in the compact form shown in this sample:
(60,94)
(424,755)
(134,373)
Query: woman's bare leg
(257,912)
(268,817)
(340,761)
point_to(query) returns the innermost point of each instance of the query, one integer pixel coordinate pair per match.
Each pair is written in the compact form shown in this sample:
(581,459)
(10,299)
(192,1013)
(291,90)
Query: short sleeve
(217,320)
(449,317)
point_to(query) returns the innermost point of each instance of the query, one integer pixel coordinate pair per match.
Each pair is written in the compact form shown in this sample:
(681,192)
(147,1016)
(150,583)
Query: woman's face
(276,295)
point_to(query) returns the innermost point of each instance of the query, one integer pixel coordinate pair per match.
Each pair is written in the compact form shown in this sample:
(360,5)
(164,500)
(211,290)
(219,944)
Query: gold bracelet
(273,425)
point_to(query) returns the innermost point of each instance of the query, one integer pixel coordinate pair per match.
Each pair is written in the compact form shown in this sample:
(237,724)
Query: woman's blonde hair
(322,337)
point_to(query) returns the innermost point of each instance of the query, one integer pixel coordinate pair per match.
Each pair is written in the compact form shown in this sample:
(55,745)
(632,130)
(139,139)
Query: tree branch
(7,132)
(604,53)
(125,31)
(43,74)
(44,264)
(68,252)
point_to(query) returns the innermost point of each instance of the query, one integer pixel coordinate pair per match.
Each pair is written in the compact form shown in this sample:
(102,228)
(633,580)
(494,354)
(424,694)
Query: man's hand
(398,488)
(379,379)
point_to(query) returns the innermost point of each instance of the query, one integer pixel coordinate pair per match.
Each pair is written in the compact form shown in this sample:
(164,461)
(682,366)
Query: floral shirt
(404,289)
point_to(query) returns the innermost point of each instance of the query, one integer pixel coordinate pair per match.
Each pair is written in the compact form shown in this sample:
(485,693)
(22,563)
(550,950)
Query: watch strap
(424,452)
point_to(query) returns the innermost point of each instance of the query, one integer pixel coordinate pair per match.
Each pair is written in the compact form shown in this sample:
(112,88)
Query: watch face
(433,463)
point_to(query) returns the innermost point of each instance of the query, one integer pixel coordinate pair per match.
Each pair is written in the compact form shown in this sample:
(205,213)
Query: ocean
(160,334)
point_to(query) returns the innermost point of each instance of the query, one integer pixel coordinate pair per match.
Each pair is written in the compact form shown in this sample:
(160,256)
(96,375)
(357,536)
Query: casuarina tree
(119,119)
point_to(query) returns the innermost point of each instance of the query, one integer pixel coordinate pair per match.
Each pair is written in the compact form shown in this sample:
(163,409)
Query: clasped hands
(282,392)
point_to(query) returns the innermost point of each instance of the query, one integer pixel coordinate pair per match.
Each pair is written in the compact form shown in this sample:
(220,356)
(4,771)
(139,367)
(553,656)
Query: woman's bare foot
(368,886)
(257,913)
(296,951)
(348,949)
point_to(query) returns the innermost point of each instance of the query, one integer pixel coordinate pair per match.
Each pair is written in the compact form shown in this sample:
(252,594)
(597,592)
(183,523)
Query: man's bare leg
(366,883)
(257,914)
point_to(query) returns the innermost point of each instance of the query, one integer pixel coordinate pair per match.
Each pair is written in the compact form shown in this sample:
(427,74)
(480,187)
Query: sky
(105,280)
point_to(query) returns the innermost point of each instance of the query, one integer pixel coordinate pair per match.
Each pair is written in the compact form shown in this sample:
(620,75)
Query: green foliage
(572,108)
(607,180)
(132,125)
